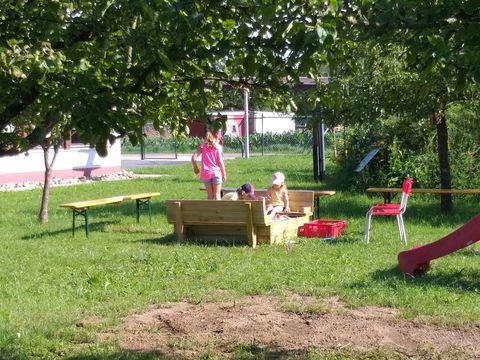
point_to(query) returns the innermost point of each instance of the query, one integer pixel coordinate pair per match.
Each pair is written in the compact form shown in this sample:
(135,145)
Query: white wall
(77,161)
(273,122)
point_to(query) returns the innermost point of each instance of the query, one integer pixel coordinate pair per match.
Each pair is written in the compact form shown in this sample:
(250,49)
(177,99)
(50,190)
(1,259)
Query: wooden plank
(89,203)
(315,192)
(382,190)
(179,227)
(264,235)
(140,196)
(318,193)
(286,229)
(300,200)
(216,211)
(106,201)
(428,191)
(218,231)
(252,236)
(448,191)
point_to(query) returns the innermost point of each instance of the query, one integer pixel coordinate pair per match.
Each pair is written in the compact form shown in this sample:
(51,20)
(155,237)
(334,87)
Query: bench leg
(84,213)
(73,222)
(144,202)
(138,210)
(87,223)
(387,198)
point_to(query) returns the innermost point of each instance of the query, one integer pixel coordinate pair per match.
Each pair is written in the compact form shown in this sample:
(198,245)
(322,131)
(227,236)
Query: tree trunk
(43,215)
(445,175)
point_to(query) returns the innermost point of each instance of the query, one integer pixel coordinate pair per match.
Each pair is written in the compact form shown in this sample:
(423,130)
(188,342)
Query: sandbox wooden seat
(237,220)
(317,194)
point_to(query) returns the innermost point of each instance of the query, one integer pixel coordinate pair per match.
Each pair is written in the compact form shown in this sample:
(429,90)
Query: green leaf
(228,24)
(322,34)
(268,13)
(12,42)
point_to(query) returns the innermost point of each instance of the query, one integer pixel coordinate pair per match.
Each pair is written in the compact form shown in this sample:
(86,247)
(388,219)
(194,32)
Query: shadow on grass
(340,207)
(459,280)
(431,214)
(240,352)
(171,239)
(127,355)
(79,231)
(469,251)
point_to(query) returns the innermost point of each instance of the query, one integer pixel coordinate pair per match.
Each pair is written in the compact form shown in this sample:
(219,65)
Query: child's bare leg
(210,193)
(216,191)
(276,210)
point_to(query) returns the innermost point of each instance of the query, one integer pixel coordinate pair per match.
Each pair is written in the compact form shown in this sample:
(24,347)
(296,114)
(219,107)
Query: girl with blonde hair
(212,172)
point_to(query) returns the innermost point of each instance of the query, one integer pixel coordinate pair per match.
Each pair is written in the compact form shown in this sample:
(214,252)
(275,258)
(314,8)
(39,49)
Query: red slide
(417,259)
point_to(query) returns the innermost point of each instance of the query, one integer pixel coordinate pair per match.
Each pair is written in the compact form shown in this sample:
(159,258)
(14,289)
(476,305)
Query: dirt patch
(288,326)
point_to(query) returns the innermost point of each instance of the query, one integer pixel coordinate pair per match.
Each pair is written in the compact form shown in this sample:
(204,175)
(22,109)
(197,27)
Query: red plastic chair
(390,210)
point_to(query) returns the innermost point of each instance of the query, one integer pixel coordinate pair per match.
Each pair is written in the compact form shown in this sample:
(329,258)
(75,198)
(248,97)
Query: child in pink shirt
(212,173)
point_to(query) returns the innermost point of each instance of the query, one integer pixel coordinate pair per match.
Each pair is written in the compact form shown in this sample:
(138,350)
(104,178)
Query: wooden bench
(316,195)
(81,208)
(387,192)
(237,220)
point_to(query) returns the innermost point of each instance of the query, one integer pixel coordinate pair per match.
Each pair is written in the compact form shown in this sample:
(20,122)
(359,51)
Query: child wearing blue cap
(244,192)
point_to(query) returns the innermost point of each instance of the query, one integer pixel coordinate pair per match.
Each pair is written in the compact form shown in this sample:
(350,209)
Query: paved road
(131,161)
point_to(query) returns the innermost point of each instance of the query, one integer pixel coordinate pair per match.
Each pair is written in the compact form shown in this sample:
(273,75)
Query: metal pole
(334,144)
(246,124)
(315,153)
(322,151)
(263,139)
(142,144)
(142,151)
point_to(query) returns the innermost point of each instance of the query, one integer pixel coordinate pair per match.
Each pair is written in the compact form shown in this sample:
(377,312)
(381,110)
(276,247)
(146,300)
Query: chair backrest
(407,185)
(406,191)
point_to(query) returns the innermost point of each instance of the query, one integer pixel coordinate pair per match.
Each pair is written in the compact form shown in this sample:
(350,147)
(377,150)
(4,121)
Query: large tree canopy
(438,42)
(435,63)
(105,65)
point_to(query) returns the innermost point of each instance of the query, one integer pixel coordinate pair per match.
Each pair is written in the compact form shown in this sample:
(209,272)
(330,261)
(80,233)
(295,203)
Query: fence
(269,134)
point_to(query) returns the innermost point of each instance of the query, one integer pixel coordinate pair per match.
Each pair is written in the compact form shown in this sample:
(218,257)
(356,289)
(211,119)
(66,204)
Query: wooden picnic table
(387,192)
(81,208)
(316,194)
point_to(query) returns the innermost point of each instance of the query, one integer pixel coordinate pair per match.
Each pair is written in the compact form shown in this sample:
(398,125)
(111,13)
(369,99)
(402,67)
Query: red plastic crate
(322,228)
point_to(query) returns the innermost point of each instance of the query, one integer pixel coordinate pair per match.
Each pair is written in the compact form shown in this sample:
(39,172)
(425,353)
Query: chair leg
(366,232)
(400,228)
(403,229)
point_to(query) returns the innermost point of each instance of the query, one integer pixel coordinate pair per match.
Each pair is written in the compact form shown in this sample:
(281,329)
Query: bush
(409,149)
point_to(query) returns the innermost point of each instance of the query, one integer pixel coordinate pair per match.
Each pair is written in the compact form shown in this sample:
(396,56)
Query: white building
(259,122)
(76,161)
(272,122)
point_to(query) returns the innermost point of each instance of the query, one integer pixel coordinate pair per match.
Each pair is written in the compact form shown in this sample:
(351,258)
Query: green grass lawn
(50,282)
